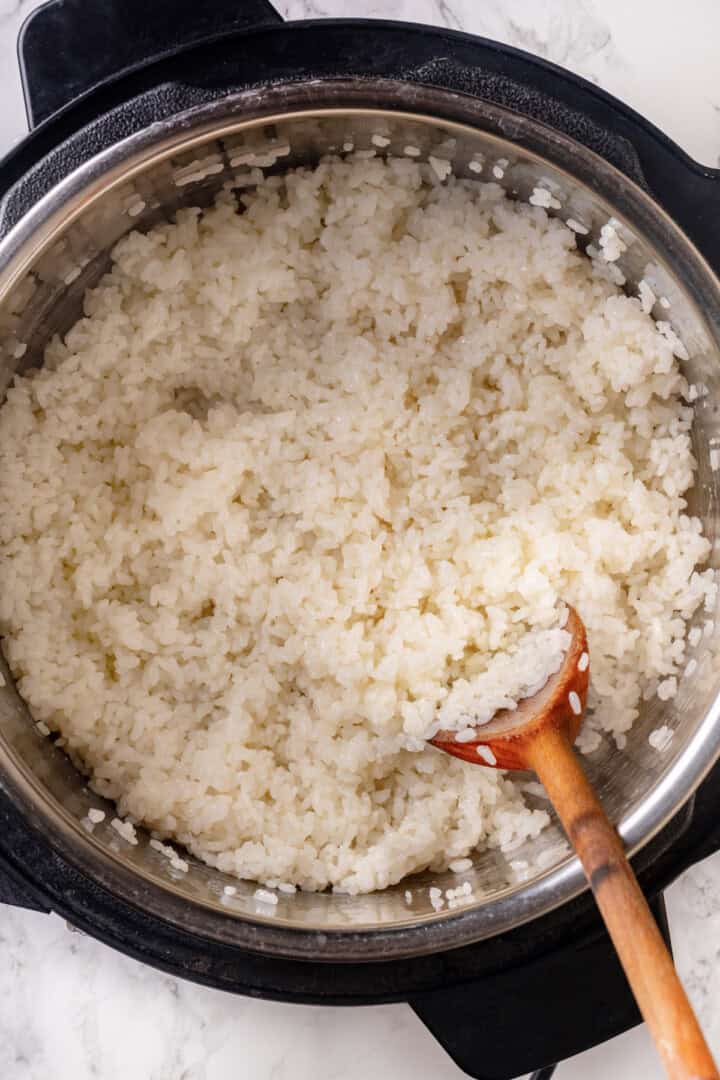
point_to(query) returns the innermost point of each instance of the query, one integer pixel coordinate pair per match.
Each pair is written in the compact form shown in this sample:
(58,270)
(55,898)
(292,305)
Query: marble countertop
(73,1009)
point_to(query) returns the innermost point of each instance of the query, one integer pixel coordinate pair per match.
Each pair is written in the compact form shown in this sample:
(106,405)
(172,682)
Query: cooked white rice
(507,678)
(302,467)
(661,737)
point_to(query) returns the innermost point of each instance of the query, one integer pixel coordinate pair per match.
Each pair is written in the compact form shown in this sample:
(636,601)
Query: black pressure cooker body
(94,74)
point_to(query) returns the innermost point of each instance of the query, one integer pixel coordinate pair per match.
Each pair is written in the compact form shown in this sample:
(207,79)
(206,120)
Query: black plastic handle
(68,47)
(690,192)
(506,1030)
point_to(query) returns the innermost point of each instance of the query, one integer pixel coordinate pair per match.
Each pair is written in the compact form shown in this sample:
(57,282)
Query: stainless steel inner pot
(61,248)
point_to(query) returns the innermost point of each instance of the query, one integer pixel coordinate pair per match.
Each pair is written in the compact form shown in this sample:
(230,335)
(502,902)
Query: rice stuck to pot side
(301,468)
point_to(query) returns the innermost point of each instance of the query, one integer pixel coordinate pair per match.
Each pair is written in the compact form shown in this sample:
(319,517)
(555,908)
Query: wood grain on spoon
(538,735)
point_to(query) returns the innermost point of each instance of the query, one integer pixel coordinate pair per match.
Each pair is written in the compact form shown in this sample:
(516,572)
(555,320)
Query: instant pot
(139,108)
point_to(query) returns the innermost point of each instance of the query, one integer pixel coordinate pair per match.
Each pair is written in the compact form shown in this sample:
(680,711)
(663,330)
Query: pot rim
(245,110)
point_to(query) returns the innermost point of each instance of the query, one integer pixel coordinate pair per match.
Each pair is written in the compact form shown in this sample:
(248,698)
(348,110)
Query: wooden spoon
(538,735)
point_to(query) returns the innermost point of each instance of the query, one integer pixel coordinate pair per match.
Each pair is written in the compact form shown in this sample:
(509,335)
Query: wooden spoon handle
(647,963)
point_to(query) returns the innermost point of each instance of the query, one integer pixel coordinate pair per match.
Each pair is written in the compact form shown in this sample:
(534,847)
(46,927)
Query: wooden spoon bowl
(558,706)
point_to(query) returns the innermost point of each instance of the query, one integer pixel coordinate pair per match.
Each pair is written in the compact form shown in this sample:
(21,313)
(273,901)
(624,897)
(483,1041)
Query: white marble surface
(72,1009)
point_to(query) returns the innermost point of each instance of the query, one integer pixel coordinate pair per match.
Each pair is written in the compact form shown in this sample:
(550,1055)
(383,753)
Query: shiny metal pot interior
(61,247)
